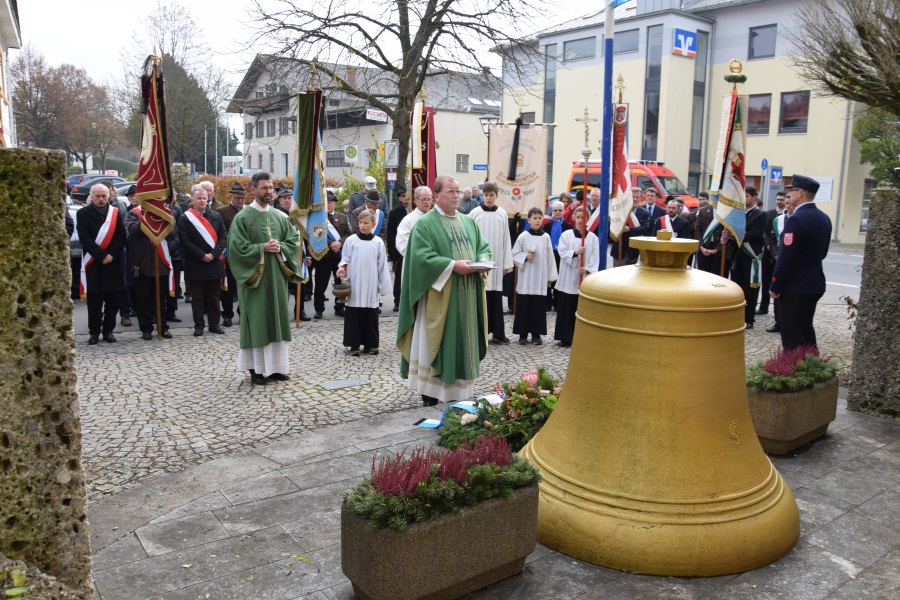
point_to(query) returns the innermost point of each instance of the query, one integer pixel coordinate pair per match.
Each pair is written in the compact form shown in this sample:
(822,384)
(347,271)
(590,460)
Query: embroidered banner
(518,164)
(620,201)
(729,178)
(423,147)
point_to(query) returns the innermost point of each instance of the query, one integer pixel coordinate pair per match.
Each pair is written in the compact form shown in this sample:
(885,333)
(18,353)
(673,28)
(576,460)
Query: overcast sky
(92,34)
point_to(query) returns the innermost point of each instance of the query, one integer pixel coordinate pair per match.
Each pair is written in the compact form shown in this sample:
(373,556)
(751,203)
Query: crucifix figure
(587,120)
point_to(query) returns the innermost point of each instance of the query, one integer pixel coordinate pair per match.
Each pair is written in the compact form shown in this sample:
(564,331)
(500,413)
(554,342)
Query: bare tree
(406,41)
(851,49)
(36,100)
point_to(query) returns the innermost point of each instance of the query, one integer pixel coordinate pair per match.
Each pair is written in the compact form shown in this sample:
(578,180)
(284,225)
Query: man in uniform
(264,251)
(799,280)
(441,331)
(101,230)
(326,267)
(396,215)
(236,195)
(744,260)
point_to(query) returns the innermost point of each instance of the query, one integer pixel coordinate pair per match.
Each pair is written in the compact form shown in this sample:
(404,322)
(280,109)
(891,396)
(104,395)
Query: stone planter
(785,421)
(442,558)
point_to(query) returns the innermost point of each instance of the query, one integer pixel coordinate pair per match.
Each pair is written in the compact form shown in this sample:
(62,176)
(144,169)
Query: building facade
(266,99)
(672,56)
(10,37)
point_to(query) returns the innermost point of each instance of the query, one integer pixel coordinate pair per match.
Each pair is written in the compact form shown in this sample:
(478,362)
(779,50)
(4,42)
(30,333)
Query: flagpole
(606,151)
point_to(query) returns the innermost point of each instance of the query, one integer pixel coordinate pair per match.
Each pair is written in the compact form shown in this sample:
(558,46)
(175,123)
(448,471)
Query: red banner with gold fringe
(154,180)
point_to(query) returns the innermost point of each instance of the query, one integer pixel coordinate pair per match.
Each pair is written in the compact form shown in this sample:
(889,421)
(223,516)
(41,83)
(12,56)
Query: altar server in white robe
(494,224)
(571,274)
(364,263)
(533,254)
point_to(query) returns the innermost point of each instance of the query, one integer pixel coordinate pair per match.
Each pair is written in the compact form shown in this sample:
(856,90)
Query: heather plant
(526,406)
(434,481)
(790,370)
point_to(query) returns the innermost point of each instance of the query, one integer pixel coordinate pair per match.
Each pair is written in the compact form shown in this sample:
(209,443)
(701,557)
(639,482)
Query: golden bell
(649,461)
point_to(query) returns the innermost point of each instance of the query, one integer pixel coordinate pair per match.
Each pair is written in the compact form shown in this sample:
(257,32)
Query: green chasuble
(456,315)
(262,277)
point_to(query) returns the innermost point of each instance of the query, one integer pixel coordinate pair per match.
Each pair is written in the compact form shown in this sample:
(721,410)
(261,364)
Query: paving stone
(852,484)
(264,486)
(338,384)
(208,562)
(126,550)
(316,530)
(878,581)
(632,586)
(313,475)
(818,510)
(883,507)
(858,537)
(177,534)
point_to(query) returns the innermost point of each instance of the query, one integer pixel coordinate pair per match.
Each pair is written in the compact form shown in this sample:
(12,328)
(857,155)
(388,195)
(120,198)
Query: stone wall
(875,373)
(42,495)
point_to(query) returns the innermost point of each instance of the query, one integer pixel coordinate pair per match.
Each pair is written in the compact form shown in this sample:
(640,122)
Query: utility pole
(205,146)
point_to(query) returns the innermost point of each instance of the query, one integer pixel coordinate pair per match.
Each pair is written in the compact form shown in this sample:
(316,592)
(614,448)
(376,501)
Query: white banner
(529,187)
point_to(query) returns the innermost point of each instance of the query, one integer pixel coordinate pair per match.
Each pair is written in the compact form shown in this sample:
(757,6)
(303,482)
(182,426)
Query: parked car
(125,189)
(81,191)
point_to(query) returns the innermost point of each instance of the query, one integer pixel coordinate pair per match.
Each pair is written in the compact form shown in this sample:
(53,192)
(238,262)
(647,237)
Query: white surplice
(367,271)
(404,228)
(494,227)
(534,274)
(570,263)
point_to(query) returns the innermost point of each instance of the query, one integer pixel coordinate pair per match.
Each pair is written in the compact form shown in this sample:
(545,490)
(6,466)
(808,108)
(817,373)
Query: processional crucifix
(586,153)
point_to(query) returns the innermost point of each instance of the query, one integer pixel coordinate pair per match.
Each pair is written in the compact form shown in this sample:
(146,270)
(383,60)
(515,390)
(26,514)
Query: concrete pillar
(42,494)
(875,373)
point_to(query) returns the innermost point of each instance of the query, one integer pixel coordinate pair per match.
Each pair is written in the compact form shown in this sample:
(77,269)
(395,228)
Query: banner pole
(156,297)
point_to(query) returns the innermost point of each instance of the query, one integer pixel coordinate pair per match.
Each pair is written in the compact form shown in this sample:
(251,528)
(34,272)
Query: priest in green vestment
(442,329)
(264,255)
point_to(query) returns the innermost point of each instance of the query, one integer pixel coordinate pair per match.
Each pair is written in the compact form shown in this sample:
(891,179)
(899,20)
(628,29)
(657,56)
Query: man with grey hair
(101,230)
(210,188)
(442,330)
(359,198)
(467,203)
(422,200)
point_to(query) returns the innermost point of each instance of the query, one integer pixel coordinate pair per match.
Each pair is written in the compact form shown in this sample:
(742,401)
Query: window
(333,102)
(248,132)
(271,162)
(282,126)
(651,126)
(528,117)
(259,161)
(260,130)
(645,183)
(270,128)
(462,163)
(580,49)
(794,112)
(335,158)
(627,41)
(249,161)
(760,107)
(293,124)
(654,51)
(550,69)
(284,162)
(700,60)
(372,154)
(762,42)
(259,94)
(868,191)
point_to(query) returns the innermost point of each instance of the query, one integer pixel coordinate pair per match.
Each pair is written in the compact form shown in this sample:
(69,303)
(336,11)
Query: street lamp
(488,121)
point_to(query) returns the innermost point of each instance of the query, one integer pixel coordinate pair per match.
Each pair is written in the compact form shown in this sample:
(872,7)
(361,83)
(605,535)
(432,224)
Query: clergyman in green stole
(262,281)
(442,329)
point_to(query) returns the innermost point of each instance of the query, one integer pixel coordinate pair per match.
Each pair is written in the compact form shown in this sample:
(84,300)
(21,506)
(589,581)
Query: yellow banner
(528,189)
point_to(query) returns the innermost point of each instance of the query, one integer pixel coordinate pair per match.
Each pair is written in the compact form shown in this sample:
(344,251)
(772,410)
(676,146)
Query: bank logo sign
(685,43)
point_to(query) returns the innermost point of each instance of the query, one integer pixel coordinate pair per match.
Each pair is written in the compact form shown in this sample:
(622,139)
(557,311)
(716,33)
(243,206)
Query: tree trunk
(401,132)
(875,373)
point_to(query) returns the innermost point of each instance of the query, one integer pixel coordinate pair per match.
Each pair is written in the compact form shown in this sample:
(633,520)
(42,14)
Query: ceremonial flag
(620,201)
(154,179)
(727,192)
(308,211)
(518,164)
(423,147)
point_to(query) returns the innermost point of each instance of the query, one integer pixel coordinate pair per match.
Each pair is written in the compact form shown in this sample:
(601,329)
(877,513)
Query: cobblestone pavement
(151,408)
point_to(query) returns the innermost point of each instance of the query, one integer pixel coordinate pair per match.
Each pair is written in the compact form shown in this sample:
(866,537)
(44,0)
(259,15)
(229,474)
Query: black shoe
(318,315)
(749,325)
(147,335)
(257,379)
(179,296)
(537,340)
(167,334)
(354,351)
(303,317)
(379,311)
(429,401)
(216,329)
(523,340)
(126,321)
(198,331)
(307,297)
(339,313)
(93,340)
(173,319)
(509,312)
(762,311)
(562,344)
(372,351)
(188,298)
(499,340)
(279,377)
(774,328)
(396,307)
(109,338)
(226,322)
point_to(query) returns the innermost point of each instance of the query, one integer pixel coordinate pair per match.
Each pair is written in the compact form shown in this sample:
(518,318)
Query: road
(843,272)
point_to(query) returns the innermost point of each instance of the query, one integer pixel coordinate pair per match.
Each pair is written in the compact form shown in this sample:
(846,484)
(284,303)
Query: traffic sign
(390,176)
(391,154)
(351,153)
(391,184)
(765,164)
(479,167)
(777,176)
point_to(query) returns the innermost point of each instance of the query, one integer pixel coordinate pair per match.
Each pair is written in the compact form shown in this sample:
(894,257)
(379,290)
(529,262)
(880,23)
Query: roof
(451,92)
(625,10)
(700,5)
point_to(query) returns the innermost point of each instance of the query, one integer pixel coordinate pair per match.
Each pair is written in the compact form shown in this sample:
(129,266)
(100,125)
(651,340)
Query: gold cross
(620,85)
(586,120)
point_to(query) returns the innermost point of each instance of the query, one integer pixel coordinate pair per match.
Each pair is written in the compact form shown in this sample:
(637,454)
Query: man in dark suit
(101,230)
(655,210)
(326,267)
(236,194)
(674,222)
(769,252)
(203,239)
(708,257)
(638,213)
(742,258)
(799,280)
(394,217)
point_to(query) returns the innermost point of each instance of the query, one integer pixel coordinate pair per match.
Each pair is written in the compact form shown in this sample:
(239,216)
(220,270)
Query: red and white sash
(163,250)
(208,233)
(666,223)
(633,221)
(104,237)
